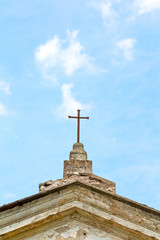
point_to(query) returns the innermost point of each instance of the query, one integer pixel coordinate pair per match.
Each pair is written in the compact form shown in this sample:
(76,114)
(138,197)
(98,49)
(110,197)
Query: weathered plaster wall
(73,230)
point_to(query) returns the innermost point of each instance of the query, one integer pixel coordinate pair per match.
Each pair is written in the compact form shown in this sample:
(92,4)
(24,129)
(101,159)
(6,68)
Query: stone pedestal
(74,167)
(77,163)
(79,169)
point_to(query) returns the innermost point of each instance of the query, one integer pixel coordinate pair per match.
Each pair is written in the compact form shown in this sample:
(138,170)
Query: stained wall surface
(71,231)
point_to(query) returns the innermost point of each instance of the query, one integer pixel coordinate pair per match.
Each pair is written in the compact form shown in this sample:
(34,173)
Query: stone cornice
(114,196)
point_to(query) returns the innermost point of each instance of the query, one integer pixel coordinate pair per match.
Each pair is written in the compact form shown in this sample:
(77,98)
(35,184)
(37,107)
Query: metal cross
(78,123)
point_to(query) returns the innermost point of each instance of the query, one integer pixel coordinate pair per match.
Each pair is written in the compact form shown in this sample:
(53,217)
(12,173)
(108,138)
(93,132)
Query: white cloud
(146,6)
(5,87)
(9,195)
(67,55)
(4,129)
(69,105)
(105,7)
(3,110)
(126,46)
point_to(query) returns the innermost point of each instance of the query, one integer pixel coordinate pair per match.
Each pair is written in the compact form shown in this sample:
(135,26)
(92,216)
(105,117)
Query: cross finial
(78,123)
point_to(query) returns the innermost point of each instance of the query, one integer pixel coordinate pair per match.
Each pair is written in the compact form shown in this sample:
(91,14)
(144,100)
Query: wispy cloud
(4,129)
(105,7)
(69,104)
(9,195)
(3,109)
(145,172)
(146,6)
(126,47)
(67,55)
(5,87)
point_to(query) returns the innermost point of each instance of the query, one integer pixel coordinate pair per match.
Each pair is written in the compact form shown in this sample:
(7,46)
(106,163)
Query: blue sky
(100,56)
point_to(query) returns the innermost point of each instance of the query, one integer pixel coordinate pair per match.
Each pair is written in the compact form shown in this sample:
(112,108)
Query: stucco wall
(73,230)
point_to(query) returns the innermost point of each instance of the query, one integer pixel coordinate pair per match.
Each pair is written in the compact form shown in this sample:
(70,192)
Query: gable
(77,208)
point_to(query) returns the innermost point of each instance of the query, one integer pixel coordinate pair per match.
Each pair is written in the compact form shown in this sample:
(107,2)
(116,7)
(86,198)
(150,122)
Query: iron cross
(78,123)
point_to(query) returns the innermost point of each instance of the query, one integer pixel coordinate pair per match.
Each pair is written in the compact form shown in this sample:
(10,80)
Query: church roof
(80,183)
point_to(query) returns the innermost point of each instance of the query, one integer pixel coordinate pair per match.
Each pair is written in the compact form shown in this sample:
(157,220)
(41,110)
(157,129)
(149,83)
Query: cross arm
(79,117)
(72,117)
(84,117)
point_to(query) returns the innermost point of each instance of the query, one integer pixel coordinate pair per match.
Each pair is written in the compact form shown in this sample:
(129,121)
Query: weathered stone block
(75,167)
